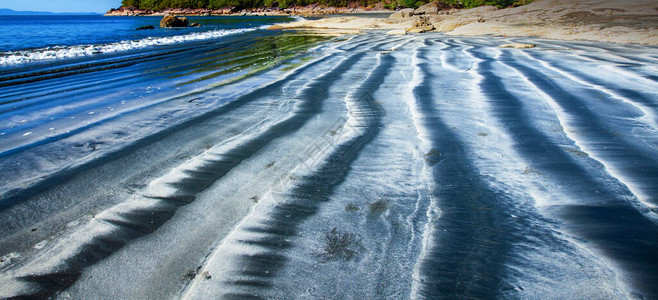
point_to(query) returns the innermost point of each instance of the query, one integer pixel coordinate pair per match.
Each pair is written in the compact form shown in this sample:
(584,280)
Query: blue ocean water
(42,34)
(83,71)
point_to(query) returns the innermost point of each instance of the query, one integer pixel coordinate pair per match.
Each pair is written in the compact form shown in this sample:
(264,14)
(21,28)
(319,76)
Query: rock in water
(518,46)
(404,13)
(146,27)
(173,21)
(195,25)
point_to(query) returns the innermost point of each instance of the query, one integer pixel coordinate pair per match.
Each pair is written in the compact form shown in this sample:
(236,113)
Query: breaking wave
(63,52)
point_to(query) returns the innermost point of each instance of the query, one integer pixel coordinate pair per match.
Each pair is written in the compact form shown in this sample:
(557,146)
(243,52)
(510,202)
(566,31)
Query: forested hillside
(217,4)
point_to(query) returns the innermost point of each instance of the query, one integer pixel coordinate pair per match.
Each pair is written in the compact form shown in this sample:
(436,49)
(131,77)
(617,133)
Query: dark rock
(173,21)
(146,27)
(195,25)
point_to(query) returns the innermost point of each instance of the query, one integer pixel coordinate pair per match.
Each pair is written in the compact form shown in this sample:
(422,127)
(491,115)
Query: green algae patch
(264,54)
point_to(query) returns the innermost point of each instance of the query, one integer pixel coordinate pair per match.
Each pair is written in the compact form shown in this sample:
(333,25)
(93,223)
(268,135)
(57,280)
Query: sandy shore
(595,20)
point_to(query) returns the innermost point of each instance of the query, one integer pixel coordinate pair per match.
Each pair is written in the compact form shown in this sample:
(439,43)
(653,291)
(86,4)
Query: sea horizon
(11,12)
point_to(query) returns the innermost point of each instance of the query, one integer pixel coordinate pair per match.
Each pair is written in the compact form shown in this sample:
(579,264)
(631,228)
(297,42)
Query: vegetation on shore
(247,4)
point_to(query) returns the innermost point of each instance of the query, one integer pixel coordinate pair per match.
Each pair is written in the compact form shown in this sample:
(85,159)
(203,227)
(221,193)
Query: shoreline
(569,20)
(314,10)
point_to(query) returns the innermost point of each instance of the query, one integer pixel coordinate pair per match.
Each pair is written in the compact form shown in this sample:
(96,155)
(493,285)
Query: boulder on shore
(403,13)
(173,21)
(432,8)
(420,25)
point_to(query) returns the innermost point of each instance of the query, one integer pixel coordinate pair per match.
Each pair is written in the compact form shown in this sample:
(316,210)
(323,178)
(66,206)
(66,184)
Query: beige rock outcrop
(432,8)
(403,13)
(420,25)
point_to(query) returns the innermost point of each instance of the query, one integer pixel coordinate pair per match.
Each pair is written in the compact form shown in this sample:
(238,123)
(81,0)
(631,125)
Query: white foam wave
(62,52)
(299,18)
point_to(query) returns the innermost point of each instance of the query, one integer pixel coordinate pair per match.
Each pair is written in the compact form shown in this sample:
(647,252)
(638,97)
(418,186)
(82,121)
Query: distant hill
(11,12)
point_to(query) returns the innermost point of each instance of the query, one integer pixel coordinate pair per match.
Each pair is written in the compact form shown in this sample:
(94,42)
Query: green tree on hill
(130,3)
